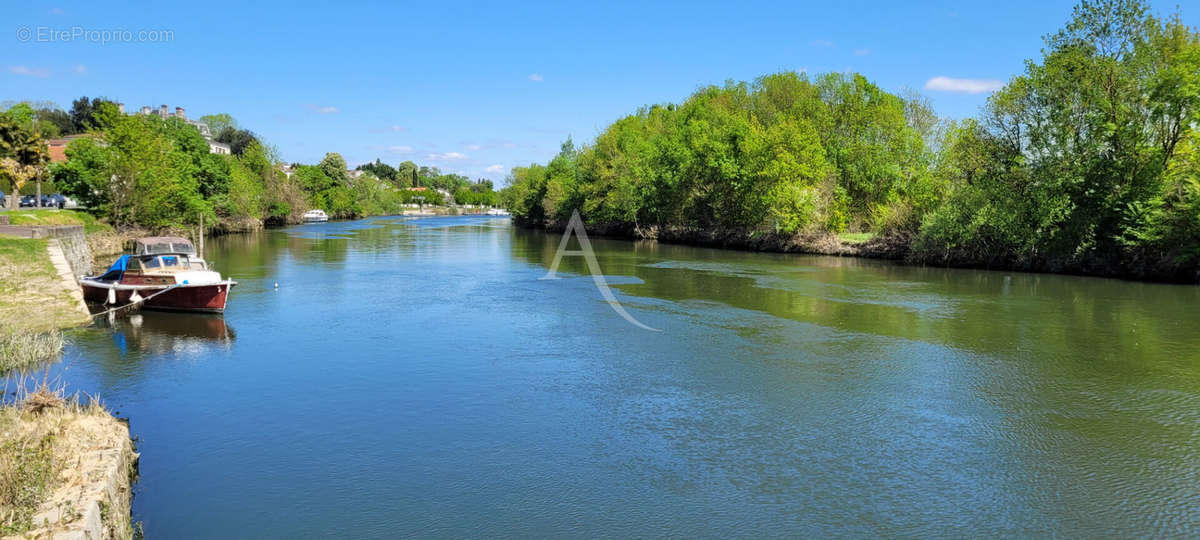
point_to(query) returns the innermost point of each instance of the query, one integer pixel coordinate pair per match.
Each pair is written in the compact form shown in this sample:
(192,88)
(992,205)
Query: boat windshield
(167,262)
(164,244)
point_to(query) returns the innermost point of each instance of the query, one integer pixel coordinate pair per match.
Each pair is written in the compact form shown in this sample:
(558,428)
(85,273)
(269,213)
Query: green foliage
(782,154)
(83,113)
(237,139)
(218,123)
(478,194)
(1085,160)
(23,155)
(1088,160)
(86,175)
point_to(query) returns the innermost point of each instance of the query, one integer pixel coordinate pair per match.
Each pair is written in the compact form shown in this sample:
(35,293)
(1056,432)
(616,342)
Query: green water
(416,378)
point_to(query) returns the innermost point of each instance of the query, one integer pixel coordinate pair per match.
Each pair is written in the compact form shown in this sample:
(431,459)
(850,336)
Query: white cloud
(821,43)
(327,109)
(399,128)
(448,156)
(80,69)
(862,52)
(535,77)
(57,11)
(509,145)
(495,168)
(400,149)
(473,147)
(963,86)
(40,73)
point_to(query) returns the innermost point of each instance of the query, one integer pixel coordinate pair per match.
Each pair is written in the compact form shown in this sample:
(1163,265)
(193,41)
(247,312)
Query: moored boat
(315,216)
(164,272)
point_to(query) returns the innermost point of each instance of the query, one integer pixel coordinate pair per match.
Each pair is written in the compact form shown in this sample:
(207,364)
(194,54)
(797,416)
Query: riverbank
(65,469)
(37,304)
(896,247)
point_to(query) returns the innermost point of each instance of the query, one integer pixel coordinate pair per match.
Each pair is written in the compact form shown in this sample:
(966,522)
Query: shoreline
(894,247)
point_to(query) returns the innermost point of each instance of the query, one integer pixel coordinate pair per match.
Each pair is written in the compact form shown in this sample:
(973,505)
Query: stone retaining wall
(71,239)
(93,497)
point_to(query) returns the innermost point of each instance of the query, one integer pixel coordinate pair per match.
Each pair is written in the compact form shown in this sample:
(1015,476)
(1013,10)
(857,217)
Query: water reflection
(1123,326)
(154,333)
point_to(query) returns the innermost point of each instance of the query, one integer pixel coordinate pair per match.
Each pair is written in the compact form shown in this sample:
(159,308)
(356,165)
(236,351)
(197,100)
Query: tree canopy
(1086,161)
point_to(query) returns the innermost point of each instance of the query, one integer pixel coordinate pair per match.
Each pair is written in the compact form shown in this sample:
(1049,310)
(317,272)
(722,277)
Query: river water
(414,377)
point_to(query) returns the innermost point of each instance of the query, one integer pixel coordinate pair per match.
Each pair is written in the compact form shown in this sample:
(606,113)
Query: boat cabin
(175,262)
(162,245)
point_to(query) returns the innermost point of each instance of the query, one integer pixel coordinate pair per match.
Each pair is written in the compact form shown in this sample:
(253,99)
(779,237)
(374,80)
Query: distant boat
(497,212)
(164,272)
(315,216)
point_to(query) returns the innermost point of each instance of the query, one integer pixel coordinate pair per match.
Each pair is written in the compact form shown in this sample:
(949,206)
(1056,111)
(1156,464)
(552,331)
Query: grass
(28,467)
(54,216)
(48,458)
(856,238)
(33,304)
(27,471)
(20,349)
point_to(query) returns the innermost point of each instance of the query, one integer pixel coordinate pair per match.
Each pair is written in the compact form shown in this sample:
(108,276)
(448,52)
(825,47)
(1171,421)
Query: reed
(20,349)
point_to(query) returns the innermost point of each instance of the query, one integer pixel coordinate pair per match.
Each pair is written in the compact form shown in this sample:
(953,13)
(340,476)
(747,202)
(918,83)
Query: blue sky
(479,88)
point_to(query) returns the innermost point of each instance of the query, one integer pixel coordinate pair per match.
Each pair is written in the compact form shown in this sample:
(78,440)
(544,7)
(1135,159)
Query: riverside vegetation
(155,173)
(51,472)
(1088,162)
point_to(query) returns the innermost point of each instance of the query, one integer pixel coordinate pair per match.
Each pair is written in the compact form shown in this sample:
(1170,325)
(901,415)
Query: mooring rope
(140,301)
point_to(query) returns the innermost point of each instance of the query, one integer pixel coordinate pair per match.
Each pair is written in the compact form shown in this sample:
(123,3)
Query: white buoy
(135,297)
(112,296)
(276,284)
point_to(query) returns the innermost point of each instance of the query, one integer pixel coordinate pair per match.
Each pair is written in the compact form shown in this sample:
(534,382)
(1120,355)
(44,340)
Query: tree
(87,173)
(60,119)
(23,156)
(1080,161)
(218,123)
(334,166)
(406,175)
(83,111)
(237,139)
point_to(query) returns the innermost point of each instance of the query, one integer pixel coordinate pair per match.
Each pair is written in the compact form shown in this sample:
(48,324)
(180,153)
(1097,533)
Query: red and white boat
(164,272)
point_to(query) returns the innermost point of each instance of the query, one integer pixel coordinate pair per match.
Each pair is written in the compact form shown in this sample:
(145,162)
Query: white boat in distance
(315,216)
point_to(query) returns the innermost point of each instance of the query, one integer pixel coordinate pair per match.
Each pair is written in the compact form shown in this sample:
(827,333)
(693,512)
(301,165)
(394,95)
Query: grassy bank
(34,306)
(57,467)
(50,216)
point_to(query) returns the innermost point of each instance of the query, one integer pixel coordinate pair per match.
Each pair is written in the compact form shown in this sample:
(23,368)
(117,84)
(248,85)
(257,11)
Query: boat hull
(202,298)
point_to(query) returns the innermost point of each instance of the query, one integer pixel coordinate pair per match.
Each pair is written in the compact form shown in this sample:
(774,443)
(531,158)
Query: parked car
(3,200)
(56,200)
(29,201)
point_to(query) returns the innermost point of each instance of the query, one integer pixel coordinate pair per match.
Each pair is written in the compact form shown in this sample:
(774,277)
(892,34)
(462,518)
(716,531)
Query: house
(58,147)
(353,174)
(162,112)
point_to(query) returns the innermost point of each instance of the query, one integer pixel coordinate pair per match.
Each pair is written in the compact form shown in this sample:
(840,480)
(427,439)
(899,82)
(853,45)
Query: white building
(214,147)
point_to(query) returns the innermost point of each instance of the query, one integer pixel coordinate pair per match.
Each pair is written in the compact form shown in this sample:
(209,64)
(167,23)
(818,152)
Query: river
(415,377)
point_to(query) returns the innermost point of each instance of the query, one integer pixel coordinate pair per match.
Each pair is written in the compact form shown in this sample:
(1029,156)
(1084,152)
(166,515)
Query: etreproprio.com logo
(102,36)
